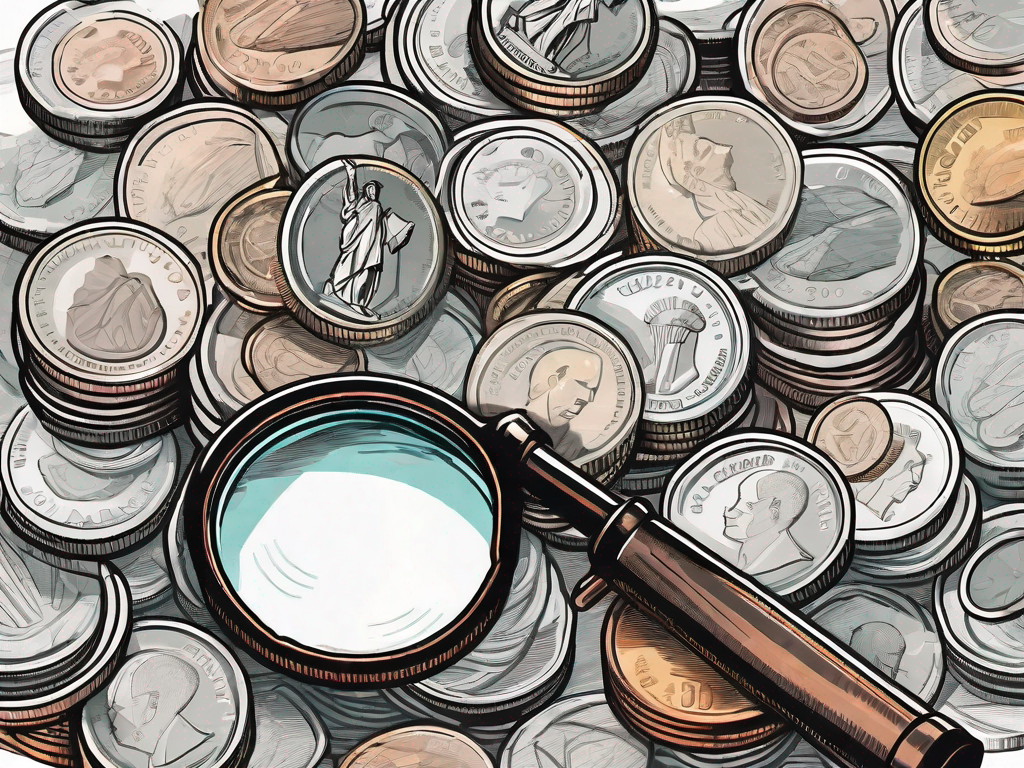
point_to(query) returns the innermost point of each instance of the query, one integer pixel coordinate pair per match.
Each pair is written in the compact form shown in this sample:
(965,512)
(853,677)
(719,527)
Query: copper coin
(970,288)
(967,169)
(665,689)
(280,52)
(243,248)
(808,64)
(855,432)
(517,297)
(419,746)
(279,351)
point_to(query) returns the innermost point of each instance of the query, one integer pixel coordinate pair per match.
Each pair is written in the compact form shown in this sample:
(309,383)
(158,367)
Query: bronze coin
(419,746)
(855,432)
(517,297)
(970,288)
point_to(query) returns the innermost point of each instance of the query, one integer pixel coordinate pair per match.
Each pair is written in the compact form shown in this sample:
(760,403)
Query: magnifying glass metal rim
(206,486)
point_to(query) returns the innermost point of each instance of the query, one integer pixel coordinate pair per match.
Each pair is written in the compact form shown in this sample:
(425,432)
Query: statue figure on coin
(562,383)
(367,229)
(553,31)
(145,704)
(900,479)
(770,502)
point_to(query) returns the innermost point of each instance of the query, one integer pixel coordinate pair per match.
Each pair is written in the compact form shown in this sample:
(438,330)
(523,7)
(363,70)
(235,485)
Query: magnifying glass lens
(357,532)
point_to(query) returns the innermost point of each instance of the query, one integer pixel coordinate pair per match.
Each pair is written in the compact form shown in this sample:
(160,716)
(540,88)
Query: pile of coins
(759,261)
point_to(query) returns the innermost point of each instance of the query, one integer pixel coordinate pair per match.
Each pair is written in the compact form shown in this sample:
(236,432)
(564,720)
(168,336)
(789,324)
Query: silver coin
(289,733)
(870,22)
(114,304)
(187,592)
(146,571)
(946,550)
(369,120)
(773,753)
(671,73)
(426,51)
(710,21)
(771,505)
(524,658)
(181,168)
(896,635)
(830,273)
(715,178)
(900,157)
(219,358)
(576,732)
(988,656)
(348,280)
(82,510)
(46,186)
(531,193)
(982,36)
(998,726)
(179,697)
(924,82)
(685,326)
(438,351)
(97,69)
(977,385)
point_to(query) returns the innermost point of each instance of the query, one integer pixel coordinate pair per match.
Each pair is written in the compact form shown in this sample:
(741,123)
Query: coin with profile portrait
(771,505)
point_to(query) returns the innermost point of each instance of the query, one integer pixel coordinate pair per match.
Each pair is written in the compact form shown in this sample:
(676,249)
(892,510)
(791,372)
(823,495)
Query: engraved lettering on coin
(856,433)
(279,351)
(110,61)
(424,746)
(968,290)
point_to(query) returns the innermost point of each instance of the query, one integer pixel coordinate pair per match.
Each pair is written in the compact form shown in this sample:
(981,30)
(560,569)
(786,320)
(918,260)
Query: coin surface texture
(967,290)
(289,733)
(855,432)
(429,746)
(982,36)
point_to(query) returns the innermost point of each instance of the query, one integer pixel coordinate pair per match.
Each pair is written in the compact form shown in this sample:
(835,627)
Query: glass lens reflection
(357,533)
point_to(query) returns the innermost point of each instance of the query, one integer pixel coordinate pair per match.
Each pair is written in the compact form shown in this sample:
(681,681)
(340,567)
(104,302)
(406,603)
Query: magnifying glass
(362,531)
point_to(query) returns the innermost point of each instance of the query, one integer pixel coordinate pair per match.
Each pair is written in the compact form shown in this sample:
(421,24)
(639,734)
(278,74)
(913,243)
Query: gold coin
(666,690)
(418,746)
(970,288)
(517,297)
(856,433)
(969,173)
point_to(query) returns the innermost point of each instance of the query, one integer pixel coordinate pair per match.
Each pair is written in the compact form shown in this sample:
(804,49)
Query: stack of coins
(714,26)
(524,195)
(91,73)
(107,314)
(838,309)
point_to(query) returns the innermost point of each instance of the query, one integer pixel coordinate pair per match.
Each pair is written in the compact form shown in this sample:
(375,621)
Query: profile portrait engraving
(507,191)
(115,314)
(562,383)
(675,325)
(902,477)
(147,705)
(769,503)
(881,644)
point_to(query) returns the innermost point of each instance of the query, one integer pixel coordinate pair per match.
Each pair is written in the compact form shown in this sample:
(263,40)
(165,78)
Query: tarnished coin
(715,178)
(971,198)
(967,290)
(279,351)
(857,434)
(981,36)
(281,52)
(892,632)
(182,168)
(808,64)
(370,120)
(978,384)
(829,275)
(179,695)
(924,82)
(665,689)
(771,505)
(289,733)
(527,655)
(558,61)
(91,73)
(114,306)
(82,501)
(423,746)
(364,254)
(244,248)
(576,379)
(688,332)
(574,732)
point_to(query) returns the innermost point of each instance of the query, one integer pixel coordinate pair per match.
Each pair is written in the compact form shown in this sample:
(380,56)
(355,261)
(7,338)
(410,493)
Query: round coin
(84,507)
(576,379)
(111,305)
(425,746)
(894,633)
(969,200)
(856,433)
(715,178)
(279,53)
(199,702)
(969,289)
(984,581)
(364,255)
(289,733)
(372,120)
(771,505)
(243,248)
(219,359)
(982,36)
(180,170)
(660,681)
(517,297)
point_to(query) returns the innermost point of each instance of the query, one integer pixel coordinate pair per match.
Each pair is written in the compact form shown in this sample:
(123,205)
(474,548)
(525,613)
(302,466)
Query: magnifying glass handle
(767,648)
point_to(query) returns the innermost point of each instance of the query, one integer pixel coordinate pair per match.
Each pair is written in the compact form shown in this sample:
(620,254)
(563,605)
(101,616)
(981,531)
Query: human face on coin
(565,382)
